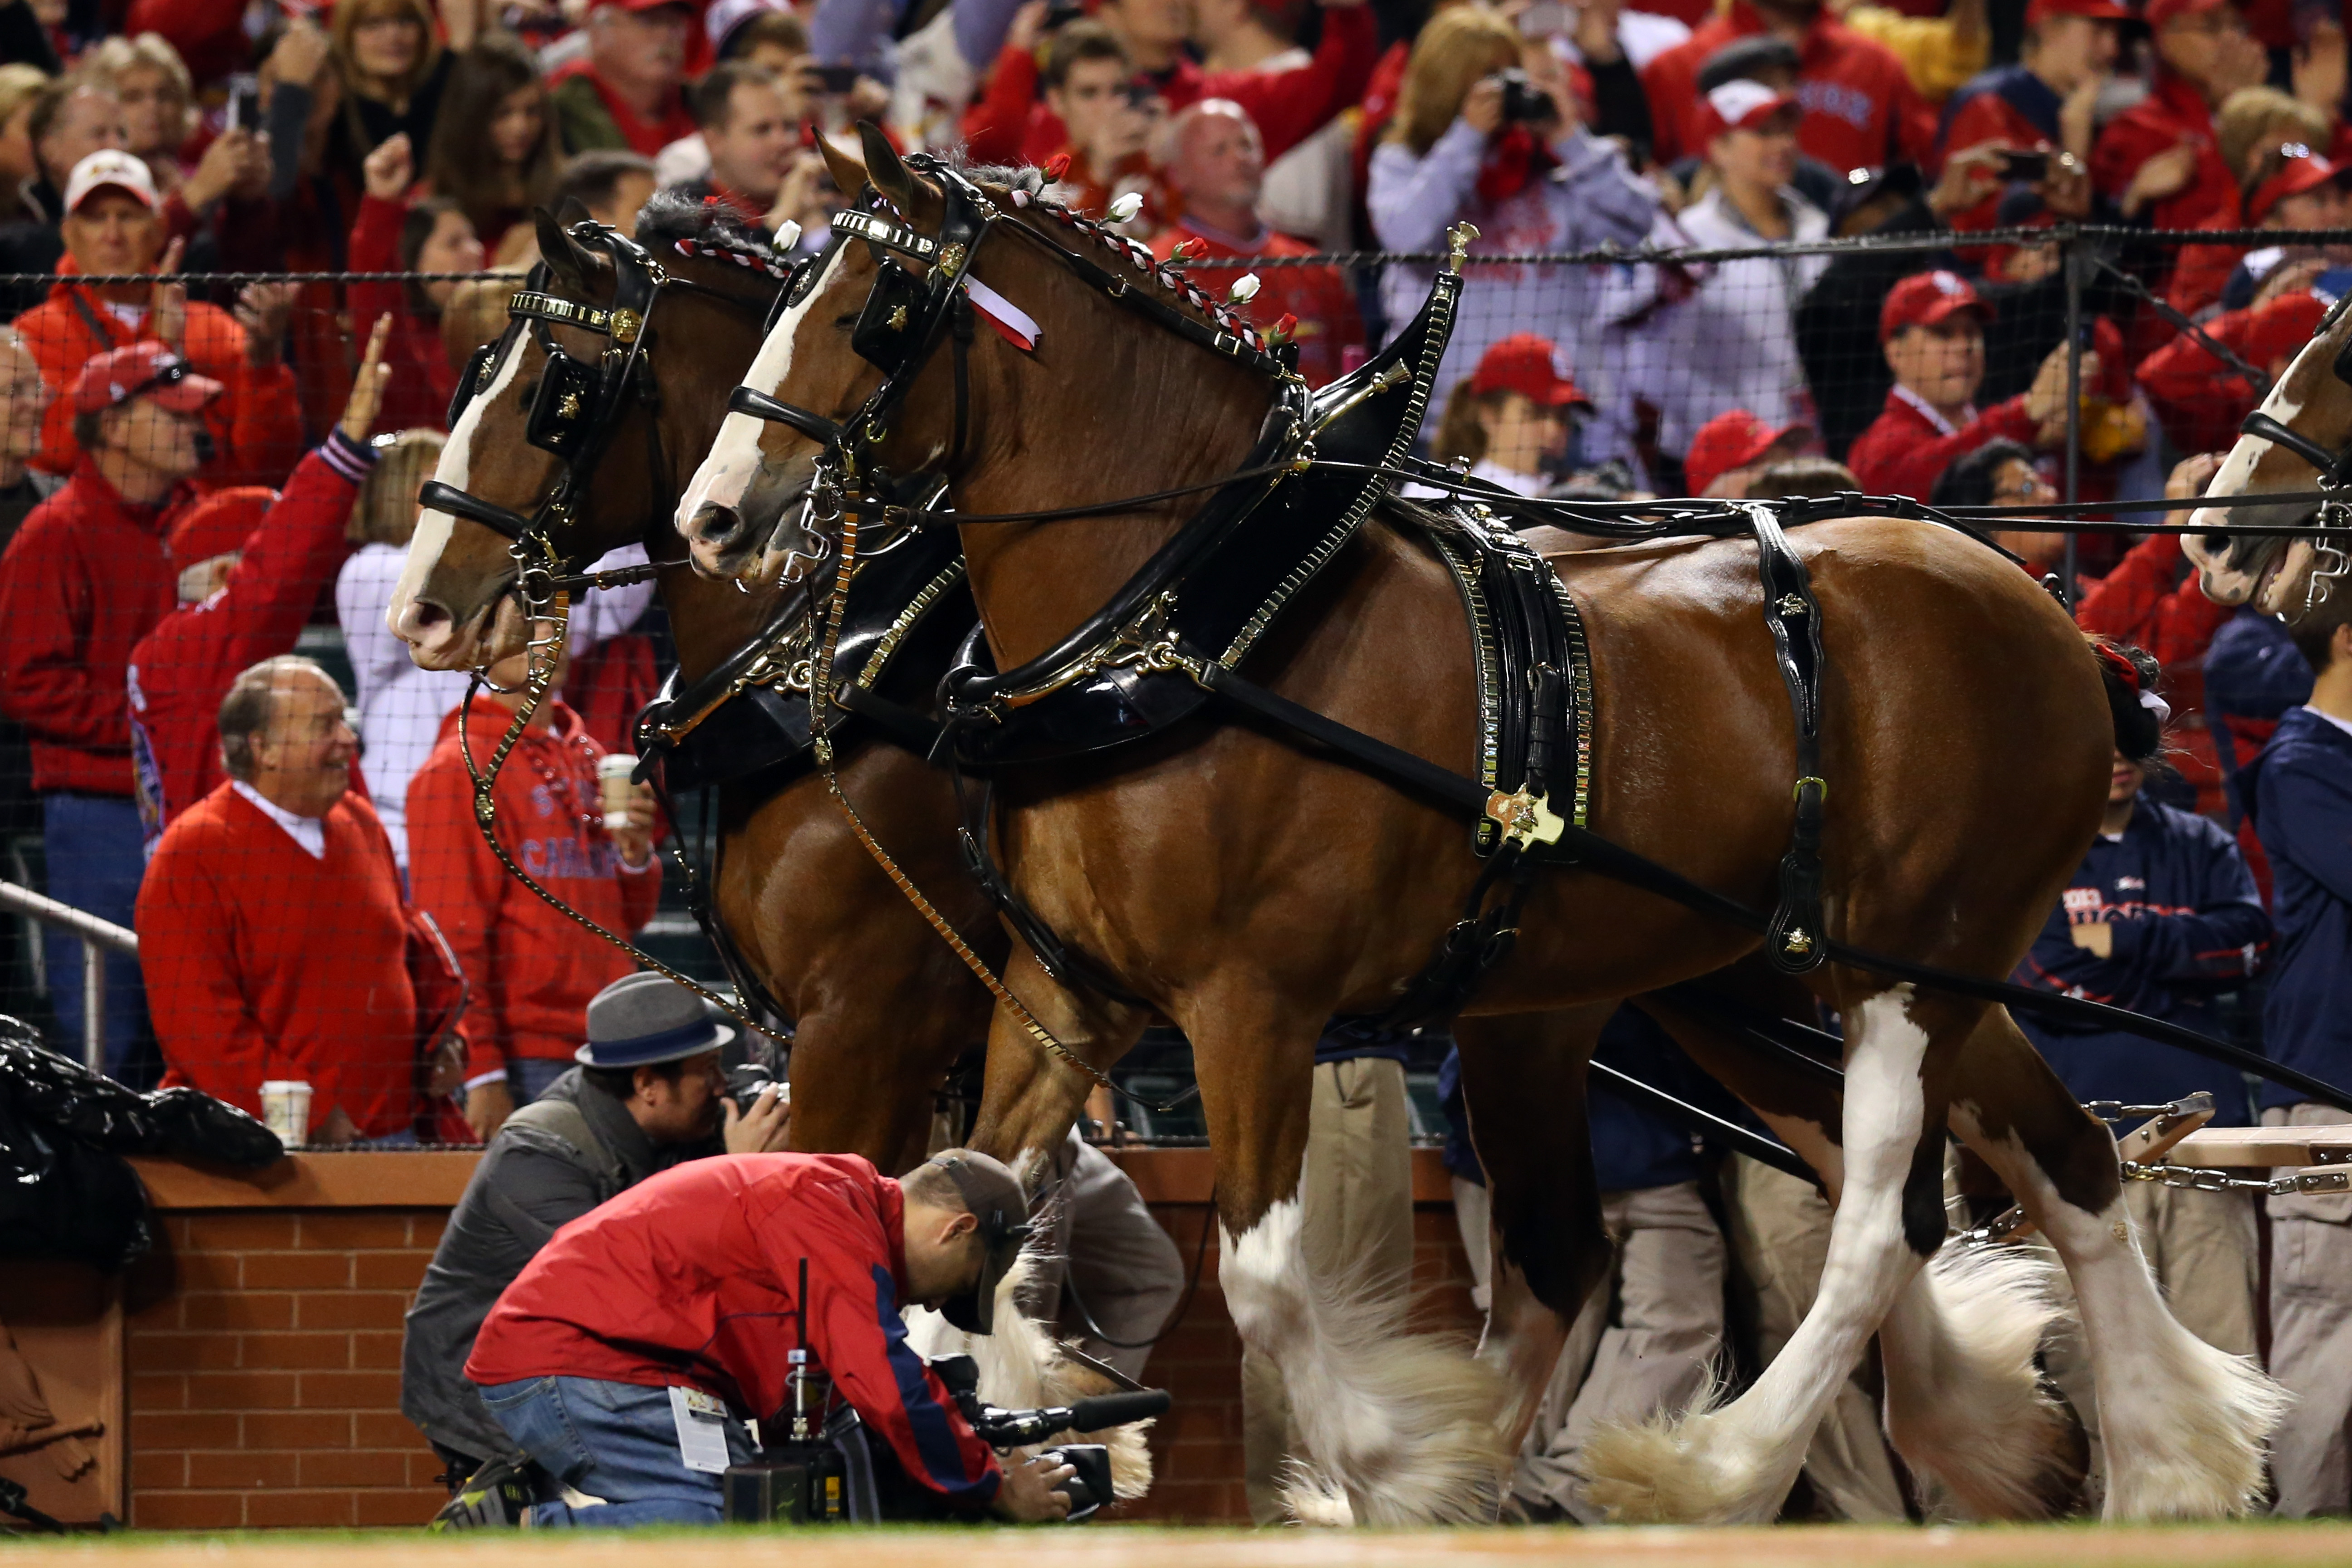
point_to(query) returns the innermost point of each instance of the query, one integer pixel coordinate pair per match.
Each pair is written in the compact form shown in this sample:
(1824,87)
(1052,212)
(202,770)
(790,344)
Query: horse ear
(573,210)
(557,249)
(882,166)
(848,174)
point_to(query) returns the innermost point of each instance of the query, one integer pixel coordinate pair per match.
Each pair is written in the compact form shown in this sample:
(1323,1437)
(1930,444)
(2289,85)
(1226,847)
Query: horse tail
(2130,675)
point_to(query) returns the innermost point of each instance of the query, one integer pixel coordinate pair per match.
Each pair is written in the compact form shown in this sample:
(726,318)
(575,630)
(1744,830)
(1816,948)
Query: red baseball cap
(2279,327)
(1924,299)
(219,524)
(1739,105)
(2300,169)
(1525,363)
(1731,441)
(143,370)
(2041,11)
(2160,12)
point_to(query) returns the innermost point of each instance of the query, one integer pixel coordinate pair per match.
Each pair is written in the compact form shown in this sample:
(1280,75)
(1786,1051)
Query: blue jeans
(611,1440)
(528,1077)
(93,849)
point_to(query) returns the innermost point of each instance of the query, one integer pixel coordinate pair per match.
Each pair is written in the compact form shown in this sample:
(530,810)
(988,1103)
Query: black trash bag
(65,1190)
(56,1091)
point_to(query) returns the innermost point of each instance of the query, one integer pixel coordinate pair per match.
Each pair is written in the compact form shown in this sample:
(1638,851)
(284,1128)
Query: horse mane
(684,219)
(1025,188)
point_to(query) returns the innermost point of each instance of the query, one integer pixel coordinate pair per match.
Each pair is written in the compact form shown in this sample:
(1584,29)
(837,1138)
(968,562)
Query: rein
(572,415)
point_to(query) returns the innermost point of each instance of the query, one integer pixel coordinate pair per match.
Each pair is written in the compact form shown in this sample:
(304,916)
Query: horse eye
(845,321)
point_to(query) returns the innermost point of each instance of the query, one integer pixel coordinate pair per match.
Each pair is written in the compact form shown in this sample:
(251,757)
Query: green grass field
(2254,1544)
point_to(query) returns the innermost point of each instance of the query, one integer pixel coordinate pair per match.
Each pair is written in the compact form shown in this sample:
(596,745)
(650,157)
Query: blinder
(474,379)
(886,327)
(559,420)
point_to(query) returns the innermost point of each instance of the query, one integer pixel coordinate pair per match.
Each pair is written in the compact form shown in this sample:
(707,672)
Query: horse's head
(744,504)
(566,392)
(2282,575)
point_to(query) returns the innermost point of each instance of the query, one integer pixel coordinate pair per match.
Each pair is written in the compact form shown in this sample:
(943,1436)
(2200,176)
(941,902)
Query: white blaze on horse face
(727,473)
(433,528)
(2223,583)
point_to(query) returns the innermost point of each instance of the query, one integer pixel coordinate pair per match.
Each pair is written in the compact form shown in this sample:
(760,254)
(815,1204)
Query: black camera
(1525,103)
(746,1080)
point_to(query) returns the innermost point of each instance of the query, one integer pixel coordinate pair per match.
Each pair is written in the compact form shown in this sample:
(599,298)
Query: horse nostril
(720,527)
(429,615)
(2215,543)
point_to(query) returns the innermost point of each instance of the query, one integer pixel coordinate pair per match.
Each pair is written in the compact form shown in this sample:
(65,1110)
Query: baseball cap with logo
(2300,169)
(993,1194)
(1927,299)
(111,168)
(1731,441)
(144,370)
(1740,105)
(1530,365)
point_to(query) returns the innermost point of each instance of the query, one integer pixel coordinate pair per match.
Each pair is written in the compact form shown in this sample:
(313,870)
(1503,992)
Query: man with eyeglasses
(85,578)
(2159,159)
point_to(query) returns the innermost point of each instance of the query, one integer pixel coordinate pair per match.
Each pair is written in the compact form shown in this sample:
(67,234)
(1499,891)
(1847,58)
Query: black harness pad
(1213,589)
(559,419)
(884,333)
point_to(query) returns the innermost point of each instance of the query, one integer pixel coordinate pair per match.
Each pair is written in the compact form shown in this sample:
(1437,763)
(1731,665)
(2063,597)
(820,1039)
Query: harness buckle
(626,326)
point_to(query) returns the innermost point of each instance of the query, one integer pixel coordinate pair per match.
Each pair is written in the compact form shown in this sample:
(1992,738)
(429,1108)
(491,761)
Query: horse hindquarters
(2182,1424)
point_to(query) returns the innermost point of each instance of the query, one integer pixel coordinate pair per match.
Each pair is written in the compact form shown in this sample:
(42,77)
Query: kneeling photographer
(646,1095)
(628,1356)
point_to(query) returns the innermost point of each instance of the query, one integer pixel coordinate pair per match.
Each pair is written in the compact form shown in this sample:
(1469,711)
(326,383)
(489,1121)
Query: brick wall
(264,1351)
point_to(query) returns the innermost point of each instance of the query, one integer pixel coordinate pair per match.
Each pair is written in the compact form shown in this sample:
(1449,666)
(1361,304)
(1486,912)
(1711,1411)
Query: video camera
(840,1475)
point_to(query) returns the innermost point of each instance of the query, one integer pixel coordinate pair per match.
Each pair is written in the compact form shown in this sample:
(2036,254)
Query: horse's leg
(2182,1424)
(1523,1085)
(1402,1424)
(1965,1401)
(1734,1464)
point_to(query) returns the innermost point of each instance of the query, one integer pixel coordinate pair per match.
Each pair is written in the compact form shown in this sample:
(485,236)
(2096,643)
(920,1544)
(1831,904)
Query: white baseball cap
(110,167)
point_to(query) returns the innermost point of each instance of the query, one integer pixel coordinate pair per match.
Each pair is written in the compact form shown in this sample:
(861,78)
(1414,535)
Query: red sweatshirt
(1325,306)
(690,1278)
(85,578)
(1012,124)
(422,381)
(532,970)
(1904,452)
(2173,113)
(264,963)
(181,669)
(2202,399)
(257,421)
(1861,110)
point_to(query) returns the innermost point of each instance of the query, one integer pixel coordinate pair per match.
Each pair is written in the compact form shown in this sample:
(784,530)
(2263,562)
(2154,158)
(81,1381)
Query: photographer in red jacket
(672,1311)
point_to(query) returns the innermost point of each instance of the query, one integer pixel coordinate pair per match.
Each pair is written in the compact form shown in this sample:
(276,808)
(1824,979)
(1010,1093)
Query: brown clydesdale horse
(881,1007)
(1249,889)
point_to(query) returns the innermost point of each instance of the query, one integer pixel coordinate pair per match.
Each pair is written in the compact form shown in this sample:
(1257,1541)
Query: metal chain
(543,654)
(820,700)
(2116,1111)
(2205,1179)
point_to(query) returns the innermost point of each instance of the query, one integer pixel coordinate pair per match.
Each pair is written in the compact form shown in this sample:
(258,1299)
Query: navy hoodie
(2187,921)
(2299,791)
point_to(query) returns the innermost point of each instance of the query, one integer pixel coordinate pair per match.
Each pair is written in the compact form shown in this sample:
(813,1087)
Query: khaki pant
(1641,1346)
(2311,1337)
(1781,1232)
(1357,1194)
(1125,1270)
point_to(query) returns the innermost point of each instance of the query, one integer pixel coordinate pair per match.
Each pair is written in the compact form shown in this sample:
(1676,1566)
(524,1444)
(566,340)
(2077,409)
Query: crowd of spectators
(210,449)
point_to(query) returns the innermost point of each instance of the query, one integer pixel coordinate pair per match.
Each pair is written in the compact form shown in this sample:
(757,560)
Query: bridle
(573,410)
(2335,476)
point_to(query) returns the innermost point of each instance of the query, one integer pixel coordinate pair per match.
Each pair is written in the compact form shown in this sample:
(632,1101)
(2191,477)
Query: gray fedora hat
(644,1018)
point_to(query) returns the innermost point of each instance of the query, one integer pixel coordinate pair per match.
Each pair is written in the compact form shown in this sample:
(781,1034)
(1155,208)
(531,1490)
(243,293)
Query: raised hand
(391,169)
(169,302)
(366,400)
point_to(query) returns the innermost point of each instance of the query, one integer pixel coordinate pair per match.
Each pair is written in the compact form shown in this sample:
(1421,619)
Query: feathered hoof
(2201,1455)
(1690,1468)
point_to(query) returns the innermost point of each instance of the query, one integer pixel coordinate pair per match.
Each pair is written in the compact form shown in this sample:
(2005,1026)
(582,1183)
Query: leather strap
(2331,465)
(1793,943)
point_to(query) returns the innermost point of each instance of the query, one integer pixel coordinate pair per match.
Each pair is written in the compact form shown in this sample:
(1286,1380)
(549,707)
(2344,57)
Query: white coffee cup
(286,1108)
(613,788)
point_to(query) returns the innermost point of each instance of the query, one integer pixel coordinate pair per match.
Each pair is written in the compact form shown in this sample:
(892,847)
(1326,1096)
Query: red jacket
(85,578)
(262,963)
(1012,124)
(2199,398)
(532,970)
(690,1278)
(1903,453)
(181,669)
(2174,111)
(2146,601)
(422,380)
(1319,297)
(1861,110)
(257,422)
